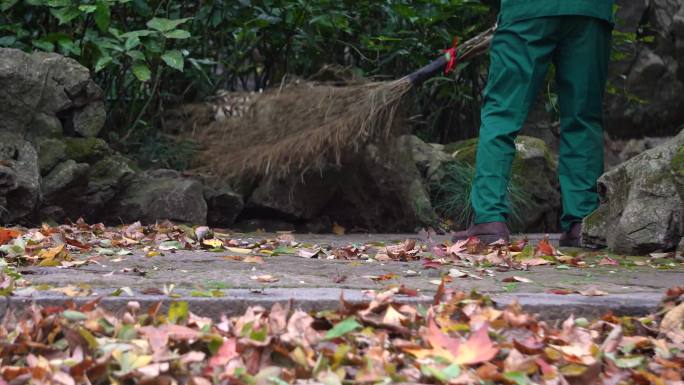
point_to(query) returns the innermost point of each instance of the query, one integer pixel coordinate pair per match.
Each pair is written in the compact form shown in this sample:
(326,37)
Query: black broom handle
(421,75)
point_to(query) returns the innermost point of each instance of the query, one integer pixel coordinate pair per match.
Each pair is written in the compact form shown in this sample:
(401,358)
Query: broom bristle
(302,127)
(309,125)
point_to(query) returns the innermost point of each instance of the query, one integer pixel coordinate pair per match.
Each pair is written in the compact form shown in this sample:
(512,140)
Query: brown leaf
(338,230)
(337,278)
(607,261)
(593,292)
(517,279)
(266,278)
(673,319)
(535,262)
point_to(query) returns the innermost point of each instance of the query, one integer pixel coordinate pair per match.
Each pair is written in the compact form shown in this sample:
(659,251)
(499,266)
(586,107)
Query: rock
(381,189)
(88,150)
(320,225)
(157,195)
(98,185)
(642,207)
(65,176)
(44,126)
(428,157)
(223,205)
(294,197)
(378,188)
(535,196)
(263,224)
(19,179)
(72,77)
(89,120)
(50,153)
(650,74)
(27,88)
(106,179)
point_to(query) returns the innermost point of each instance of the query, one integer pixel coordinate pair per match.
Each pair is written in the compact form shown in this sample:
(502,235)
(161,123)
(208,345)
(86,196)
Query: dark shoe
(487,232)
(573,237)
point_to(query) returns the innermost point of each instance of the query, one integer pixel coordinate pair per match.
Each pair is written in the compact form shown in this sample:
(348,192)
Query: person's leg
(581,66)
(520,56)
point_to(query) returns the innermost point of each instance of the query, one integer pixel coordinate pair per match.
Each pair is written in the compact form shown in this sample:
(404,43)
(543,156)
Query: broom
(308,126)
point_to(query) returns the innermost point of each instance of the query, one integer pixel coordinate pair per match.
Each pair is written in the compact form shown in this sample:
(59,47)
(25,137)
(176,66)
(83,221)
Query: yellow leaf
(238,250)
(213,243)
(51,253)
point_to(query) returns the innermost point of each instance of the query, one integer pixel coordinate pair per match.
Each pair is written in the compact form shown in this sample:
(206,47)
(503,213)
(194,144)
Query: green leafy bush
(150,55)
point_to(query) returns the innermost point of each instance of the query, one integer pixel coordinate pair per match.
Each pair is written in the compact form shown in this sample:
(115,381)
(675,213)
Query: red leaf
(544,248)
(432,264)
(7,235)
(408,292)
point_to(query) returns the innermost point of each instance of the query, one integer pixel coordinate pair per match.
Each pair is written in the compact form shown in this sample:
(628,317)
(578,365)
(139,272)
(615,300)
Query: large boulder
(19,179)
(157,195)
(378,188)
(642,203)
(533,191)
(43,93)
(382,190)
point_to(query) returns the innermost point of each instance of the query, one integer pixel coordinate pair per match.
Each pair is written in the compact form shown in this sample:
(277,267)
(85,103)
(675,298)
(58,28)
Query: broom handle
(420,76)
(472,48)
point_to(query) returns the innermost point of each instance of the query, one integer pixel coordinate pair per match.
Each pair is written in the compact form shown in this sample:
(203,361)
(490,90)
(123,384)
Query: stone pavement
(214,285)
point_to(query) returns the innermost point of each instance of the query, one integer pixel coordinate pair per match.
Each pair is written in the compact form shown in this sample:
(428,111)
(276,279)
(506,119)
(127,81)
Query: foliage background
(149,56)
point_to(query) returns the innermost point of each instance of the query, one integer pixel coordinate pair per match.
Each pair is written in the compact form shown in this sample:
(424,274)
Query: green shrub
(451,196)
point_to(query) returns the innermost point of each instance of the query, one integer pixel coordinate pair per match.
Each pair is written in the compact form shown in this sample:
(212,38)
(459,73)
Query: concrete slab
(315,284)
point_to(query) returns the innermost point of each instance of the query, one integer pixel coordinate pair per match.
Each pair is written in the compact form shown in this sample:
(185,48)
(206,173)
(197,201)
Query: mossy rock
(534,182)
(677,169)
(642,207)
(86,150)
(50,153)
(464,151)
(111,171)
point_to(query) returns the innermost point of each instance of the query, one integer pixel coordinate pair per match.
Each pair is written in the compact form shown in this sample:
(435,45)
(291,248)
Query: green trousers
(521,54)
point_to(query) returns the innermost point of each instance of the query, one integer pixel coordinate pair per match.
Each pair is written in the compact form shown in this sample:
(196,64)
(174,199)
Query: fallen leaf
(238,250)
(7,235)
(673,319)
(517,279)
(607,261)
(267,278)
(477,349)
(662,255)
(535,262)
(593,292)
(254,259)
(337,229)
(384,277)
(544,249)
(342,328)
(339,278)
(561,291)
(212,243)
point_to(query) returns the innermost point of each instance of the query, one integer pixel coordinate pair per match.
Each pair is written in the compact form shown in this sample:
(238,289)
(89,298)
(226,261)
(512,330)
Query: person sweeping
(574,35)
